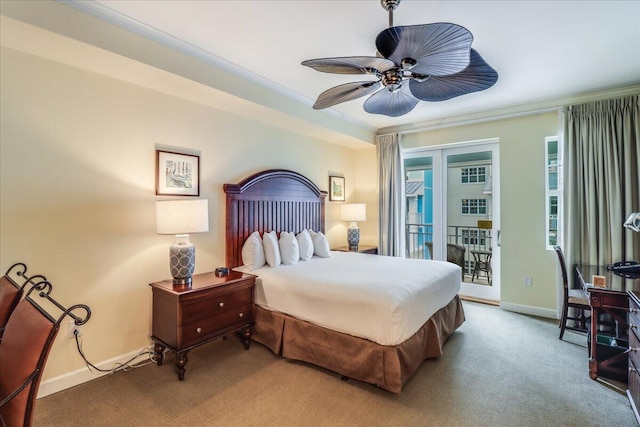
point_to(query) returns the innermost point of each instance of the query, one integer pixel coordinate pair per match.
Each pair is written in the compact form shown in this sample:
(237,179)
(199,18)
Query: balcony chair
(27,340)
(455,254)
(481,262)
(572,298)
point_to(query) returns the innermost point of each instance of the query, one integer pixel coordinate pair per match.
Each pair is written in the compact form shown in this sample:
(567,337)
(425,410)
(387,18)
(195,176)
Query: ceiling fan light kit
(430,62)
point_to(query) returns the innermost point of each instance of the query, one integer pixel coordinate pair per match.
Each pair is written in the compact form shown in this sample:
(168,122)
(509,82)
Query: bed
(367,349)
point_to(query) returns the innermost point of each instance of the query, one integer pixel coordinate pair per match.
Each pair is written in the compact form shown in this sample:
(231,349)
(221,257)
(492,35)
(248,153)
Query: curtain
(602,180)
(391,195)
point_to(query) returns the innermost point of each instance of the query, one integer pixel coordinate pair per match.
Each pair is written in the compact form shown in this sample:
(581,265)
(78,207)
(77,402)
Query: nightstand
(185,317)
(363,249)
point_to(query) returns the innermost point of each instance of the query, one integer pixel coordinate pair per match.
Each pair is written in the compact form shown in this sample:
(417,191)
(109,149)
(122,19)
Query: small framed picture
(336,189)
(177,174)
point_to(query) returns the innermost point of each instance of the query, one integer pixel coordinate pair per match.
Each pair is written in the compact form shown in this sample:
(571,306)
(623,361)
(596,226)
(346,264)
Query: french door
(453,211)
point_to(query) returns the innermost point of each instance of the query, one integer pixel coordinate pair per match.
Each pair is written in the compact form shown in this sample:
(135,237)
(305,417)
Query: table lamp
(353,212)
(181,217)
(633,222)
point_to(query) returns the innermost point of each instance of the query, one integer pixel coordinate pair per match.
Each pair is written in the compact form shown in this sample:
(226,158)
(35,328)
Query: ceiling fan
(431,62)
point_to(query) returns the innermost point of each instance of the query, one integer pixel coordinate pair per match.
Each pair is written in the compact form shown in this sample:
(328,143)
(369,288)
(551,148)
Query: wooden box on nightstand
(185,317)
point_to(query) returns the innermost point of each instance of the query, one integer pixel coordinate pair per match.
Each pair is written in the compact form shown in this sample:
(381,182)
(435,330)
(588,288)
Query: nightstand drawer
(634,383)
(194,332)
(216,304)
(634,317)
(634,348)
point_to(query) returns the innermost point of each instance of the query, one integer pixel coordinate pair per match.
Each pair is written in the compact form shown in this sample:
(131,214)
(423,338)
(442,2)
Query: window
(474,206)
(474,237)
(553,191)
(473,175)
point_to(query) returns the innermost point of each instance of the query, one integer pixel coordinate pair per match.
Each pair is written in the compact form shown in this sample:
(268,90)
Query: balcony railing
(472,238)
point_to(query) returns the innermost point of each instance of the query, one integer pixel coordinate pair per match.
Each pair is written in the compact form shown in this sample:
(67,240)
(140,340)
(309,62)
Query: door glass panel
(469,215)
(419,207)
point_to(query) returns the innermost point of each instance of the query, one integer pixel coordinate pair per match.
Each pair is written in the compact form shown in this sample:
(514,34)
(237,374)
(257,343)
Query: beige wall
(367,192)
(78,198)
(521,204)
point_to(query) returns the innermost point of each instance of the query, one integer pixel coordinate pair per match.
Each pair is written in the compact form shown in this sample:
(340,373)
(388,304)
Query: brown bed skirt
(388,367)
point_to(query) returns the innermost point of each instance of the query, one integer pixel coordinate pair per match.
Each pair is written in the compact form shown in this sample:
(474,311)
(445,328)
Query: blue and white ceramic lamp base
(353,237)
(182,260)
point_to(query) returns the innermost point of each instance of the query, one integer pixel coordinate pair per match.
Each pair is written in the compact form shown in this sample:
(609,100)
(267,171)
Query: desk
(604,359)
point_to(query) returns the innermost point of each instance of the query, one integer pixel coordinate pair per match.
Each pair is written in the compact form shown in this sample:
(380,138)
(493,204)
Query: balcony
(472,238)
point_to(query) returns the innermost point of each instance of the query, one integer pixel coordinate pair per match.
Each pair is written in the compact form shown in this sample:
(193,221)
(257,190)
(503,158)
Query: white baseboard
(74,378)
(531,310)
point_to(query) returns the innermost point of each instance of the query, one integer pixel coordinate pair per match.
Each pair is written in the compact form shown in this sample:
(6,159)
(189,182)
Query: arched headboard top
(272,175)
(275,199)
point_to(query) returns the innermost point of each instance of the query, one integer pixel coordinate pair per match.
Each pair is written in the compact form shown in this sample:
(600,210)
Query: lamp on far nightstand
(181,217)
(353,212)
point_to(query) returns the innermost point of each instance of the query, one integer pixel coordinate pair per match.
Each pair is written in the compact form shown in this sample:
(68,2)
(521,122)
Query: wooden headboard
(275,199)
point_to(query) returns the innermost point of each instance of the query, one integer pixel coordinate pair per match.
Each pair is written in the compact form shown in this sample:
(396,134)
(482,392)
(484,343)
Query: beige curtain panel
(391,188)
(602,180)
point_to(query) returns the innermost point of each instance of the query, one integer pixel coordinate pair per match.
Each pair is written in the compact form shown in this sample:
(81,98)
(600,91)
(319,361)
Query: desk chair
(24,349)
(10,294)
(12,286)
(572,298)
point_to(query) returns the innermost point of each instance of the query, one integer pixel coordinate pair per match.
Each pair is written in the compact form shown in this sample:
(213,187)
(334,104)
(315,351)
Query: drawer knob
(241,314)
(634,349)
(633,310)
(198,330)
(632,326)
(221,304)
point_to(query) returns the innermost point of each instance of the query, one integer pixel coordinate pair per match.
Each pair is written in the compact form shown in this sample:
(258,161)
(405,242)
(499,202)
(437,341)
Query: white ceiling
(541,49)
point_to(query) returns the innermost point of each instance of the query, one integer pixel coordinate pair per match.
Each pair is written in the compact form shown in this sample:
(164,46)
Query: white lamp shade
(353,212)
(182,216)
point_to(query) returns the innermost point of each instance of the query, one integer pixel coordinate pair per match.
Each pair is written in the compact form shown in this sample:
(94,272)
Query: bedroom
(79,133)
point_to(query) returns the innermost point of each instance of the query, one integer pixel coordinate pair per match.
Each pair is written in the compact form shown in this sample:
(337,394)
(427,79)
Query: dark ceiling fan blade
(392,104)
(439,49)
(345,92)
(350,65)
(476,77)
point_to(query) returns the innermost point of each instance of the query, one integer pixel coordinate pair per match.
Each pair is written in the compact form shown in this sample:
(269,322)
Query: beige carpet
(498,369)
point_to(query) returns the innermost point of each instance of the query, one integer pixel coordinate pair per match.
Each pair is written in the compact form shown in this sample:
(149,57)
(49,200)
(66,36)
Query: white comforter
(383,299)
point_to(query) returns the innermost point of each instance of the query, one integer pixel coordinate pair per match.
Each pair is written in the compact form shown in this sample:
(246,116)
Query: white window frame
(473,205)
(474,237)
(549,193)
(478,171)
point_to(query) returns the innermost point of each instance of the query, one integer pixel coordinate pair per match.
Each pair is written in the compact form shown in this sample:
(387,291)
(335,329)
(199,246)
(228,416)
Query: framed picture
(336,189)
(177,174)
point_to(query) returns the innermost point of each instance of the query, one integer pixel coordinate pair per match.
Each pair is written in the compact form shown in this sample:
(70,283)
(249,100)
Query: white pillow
(253,252)
(305,245)
(271,249)
(289,250)
(320,244)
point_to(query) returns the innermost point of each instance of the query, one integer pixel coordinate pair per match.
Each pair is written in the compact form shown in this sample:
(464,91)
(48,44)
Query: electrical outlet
(73,328)
(528,281)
